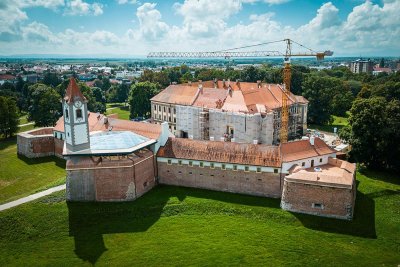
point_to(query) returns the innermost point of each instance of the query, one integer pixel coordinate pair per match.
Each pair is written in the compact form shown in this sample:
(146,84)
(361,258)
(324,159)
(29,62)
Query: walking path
(26,124)
(31,197)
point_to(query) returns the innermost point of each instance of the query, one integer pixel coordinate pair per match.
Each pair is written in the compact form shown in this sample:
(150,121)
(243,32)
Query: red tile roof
(303,149)
(7,77)
(244,96)
(217,151)
(73,91)
(97,123)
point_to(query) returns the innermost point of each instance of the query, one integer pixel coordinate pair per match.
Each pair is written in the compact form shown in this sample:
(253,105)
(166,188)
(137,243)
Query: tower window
(66,113)
(79,113)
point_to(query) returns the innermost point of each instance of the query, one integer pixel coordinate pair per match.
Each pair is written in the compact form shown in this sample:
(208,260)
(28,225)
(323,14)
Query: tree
(139,98)
(51,79)
(374,132)
(318,91)
(382,63)
(45,108)
(8,117)
(105,84)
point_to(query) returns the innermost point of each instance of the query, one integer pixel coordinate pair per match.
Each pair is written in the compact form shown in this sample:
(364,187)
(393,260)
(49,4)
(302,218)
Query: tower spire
(73,91)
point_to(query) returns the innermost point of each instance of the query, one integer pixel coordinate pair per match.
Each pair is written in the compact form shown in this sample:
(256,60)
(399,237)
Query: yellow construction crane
(233,53)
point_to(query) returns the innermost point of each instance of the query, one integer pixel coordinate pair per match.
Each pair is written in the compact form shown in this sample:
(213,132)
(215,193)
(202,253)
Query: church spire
(73,92)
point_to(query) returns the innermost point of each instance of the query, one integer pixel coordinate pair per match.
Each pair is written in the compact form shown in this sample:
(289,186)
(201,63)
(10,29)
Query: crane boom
(287,74)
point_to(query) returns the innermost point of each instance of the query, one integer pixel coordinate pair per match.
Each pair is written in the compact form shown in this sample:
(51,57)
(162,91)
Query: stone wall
(251,183)
(110,178)
(318,200)
(36,143)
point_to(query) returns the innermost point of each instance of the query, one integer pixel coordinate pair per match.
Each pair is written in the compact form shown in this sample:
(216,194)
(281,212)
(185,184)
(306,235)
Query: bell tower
(76,126)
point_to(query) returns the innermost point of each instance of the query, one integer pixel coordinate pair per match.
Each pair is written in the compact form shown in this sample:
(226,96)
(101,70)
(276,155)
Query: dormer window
(79,113)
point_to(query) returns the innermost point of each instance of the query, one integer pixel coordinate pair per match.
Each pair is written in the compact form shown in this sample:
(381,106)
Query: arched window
(66,114)
(79,113)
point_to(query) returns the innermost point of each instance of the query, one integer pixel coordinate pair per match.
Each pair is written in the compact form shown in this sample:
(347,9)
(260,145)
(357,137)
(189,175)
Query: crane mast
(287,74)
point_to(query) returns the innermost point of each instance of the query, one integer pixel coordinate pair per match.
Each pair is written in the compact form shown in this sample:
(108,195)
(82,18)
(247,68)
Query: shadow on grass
(7,142)
(88,221)
(362,225)
(31,161)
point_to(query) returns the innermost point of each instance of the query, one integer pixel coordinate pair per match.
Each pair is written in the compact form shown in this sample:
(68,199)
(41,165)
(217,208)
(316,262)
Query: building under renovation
(228,111)
(120,160)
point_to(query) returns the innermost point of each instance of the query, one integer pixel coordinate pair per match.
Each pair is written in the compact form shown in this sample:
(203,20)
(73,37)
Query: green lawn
(338,122)
(172,226)
(123,112)
(20,176)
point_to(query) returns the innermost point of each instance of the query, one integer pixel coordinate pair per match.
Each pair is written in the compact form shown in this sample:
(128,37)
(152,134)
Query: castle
(117,160)
(240,112)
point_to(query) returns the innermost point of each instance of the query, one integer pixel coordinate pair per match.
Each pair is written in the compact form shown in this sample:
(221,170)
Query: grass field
(20,176)
(172,226)
(123,112)
(338,122)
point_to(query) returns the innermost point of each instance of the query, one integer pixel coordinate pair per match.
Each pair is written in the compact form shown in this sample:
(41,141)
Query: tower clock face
(78,104)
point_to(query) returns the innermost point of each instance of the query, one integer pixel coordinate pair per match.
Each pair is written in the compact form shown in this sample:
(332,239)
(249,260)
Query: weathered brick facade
(318,200)
(36,143)
(110,178)
(239,181)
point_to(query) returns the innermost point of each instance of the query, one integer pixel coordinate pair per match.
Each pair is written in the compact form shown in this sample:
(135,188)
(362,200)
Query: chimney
(105,120)
(312,139)
(259,84)
(223,83)
(190,83)
(215,83)
(200,88)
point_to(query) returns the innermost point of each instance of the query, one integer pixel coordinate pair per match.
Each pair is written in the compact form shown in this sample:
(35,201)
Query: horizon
(130,28)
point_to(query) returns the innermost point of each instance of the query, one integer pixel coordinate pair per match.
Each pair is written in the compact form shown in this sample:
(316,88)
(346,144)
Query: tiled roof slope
(303,149)
(259,155)
(241,97)
(73,91)
(96,123)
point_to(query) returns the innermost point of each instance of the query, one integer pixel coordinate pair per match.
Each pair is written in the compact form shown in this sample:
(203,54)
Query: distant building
(7,78)
(229,111)
(362,66)
(378,70)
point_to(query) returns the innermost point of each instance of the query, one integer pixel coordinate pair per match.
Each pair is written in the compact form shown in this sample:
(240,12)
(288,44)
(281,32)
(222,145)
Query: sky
(136,27)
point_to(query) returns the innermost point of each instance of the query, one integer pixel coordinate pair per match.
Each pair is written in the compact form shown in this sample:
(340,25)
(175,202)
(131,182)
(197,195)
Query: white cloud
(81,8)
(122,2)
(151,26)
(368,28)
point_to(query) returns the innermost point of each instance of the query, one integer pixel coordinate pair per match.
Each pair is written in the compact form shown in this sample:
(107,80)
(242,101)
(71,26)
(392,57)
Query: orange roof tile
(177,94)
(259,155)
(303,149)
(73,91)
(92,119)
(209,97)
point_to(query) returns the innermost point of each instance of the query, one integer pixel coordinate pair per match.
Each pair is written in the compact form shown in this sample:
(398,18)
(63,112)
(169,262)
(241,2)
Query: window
(159,117)
(275,170)
(223,167)
(190,173)
(174,111)
(169,162)
(66,114)
(303,164)
(258,169)
(179,172)
(79,113)
(317,206)
(212,165)
(169,110)
(190,163)
(164,109)
(174,120)
(235,167)
(312,163)
(201,164)
(159,108)
(180,162)
(320,160)
(246,168)
(155,107)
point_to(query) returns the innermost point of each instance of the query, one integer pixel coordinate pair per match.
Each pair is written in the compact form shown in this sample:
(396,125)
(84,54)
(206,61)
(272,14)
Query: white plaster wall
(287,165)
(68,134)
(81,134)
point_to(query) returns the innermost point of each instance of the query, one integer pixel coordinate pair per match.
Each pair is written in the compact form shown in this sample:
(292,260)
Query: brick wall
(36,143)
(251,183)
(58,147)
(301,197)
(105,179)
